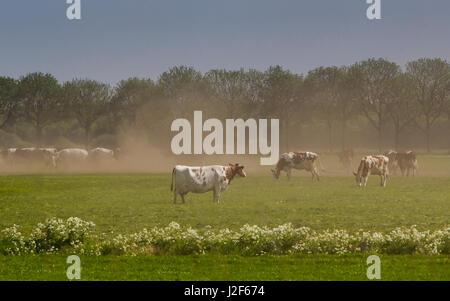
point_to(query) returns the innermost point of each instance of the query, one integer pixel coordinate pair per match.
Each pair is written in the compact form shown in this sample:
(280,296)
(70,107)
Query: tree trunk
(397,138)
(330,137)
(86,137)
(428,133)
(344,128)
(38,135)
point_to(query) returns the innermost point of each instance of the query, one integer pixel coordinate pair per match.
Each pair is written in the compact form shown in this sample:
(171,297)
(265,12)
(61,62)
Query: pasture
(128,202)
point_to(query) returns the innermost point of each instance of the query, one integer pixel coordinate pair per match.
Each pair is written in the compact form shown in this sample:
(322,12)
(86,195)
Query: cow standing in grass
(214,178)
(407,162)
(297,160)
(375,165)
(393,163)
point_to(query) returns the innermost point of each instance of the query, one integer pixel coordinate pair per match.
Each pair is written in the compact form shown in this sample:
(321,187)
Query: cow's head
(357,178)
(237,169)
(275,173)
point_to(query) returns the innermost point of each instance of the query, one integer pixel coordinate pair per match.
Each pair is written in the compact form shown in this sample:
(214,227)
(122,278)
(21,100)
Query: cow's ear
(354,173)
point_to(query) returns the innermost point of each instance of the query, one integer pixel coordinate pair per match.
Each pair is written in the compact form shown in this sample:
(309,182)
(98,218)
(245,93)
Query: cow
(214,178)
(407,162)
(297,160)
(71,156)
(100,154)
(33,155)
(375,165)
(346,158)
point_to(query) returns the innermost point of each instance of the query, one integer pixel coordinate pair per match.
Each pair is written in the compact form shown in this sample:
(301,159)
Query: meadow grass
(225,268)
(127,203)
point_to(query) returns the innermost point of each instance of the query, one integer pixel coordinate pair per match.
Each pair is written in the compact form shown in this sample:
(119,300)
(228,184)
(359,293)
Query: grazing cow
(376,165)
(407,162)
(346,158)
(297,160)
(214,178)
(70,156)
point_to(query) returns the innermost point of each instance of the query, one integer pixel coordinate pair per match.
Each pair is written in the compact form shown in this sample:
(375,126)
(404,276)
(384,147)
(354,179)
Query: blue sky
(117,39)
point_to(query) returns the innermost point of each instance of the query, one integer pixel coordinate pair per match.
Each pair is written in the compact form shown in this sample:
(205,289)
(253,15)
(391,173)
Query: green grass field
(225,268)
(126,203)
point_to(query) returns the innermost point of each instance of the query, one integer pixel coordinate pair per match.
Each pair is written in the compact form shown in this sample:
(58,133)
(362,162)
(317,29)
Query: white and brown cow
(214,178)
(297,160)
(375,165)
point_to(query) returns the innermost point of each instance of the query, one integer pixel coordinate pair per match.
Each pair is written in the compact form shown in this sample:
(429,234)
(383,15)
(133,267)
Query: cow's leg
(288,172)
(182,197)
(316,173)
(175,193)
(365,180)
(385,180)
(216,195)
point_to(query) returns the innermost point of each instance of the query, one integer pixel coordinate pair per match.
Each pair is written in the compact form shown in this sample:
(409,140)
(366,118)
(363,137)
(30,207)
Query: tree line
(372,101)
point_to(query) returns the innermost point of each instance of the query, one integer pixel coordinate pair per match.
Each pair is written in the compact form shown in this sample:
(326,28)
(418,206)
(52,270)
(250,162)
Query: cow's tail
(171,184)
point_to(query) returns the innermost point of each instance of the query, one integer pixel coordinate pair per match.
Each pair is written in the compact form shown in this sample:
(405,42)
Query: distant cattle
(393,163)
(375,165)
(346,158)
(71,157)
(30,155)
(101,154)
(405,160)
(214,178)
(297,160)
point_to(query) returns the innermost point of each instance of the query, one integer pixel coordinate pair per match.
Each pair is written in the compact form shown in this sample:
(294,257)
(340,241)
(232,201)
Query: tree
(401,108)
(8,100)
(372,81)
(430,79)
(325,85)
(230,88)
(184,88)
(87,101)
(282,97)
(129,96)
(40,96)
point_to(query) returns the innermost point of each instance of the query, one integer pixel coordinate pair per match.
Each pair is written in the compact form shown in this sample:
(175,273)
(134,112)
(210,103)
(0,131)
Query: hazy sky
(117,39)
